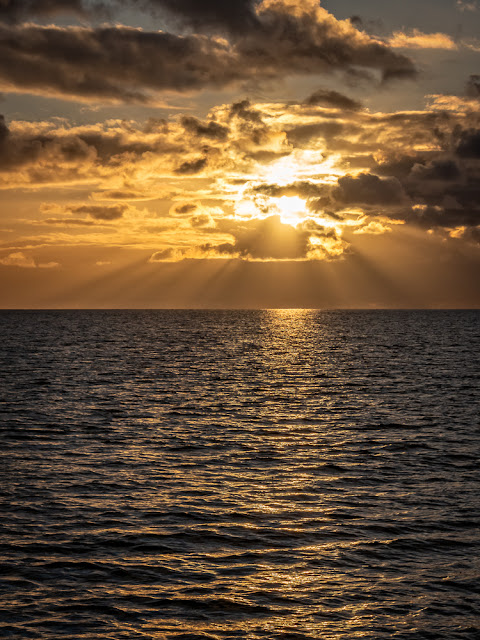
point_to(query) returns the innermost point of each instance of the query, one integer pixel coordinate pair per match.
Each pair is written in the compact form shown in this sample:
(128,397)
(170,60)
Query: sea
(204,475)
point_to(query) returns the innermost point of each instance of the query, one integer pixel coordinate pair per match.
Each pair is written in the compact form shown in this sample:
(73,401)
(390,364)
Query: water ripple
(250,474)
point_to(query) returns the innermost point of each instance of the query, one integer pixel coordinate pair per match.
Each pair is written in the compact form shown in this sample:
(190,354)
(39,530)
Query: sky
(241,154)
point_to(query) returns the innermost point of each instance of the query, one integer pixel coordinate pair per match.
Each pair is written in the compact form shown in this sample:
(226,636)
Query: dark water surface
(257,474)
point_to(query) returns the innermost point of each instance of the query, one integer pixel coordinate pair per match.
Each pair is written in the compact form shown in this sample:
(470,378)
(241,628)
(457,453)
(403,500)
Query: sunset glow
(291,209)
(239,312)
(214,137)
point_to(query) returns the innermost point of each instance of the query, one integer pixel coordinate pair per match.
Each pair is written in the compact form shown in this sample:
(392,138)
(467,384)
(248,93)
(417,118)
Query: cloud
(303,189)
(472,88)
(69,222)
(19,259)
(433,217)
(260,240)
(330,131)
(123,194)
(419,40)
(468,145)
(183,209)
(244,111)
(467,5)
(443,169)
(203,221)
(97,212)
(100,212)
(167,255)
(211,129)
(471,234)
(21,148)
(13,10)
(218,179)
(333,100)
(124,64)
(369,189)
(191,167)
(270,239)
(418,168)
(47,152)
(235,15)
(374,227)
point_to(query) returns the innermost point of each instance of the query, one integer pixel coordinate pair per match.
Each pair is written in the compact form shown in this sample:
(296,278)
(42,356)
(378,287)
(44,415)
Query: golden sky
(279,153)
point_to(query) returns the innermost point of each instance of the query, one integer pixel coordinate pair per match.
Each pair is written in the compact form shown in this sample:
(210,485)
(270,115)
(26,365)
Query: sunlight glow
(281,172)
(300,165)
(246,208)
(292,209)
(278,189)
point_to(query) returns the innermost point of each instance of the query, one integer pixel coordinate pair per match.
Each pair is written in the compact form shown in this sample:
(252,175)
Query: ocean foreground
(284,474)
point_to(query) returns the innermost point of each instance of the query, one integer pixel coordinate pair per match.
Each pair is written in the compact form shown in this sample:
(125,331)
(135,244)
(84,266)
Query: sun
(291,209)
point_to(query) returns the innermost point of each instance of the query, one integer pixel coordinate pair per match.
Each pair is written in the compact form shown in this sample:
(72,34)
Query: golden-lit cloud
(20,259)
(416,39)
(103,213)
(251,181)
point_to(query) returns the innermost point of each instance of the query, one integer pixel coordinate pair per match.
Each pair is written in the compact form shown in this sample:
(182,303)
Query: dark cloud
(310,40)
(466,194)
(131,65)
(121,194)
(270,238)
(432,217)
(357,21)
(443,192)
(210,129)
(111,63)
(184,209)
(191,167)
(443,169)
(202,221)
(99,212)
(232,15)
(324,207)
(468,145)
(473,86)
(244,111)
(264,156)
(332,100)
(370,26)
(399,166)
(302,189)
(267,239)
(369,189)
(14,10)
(472,235)
(302,135)
(21,148)
(3,129)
